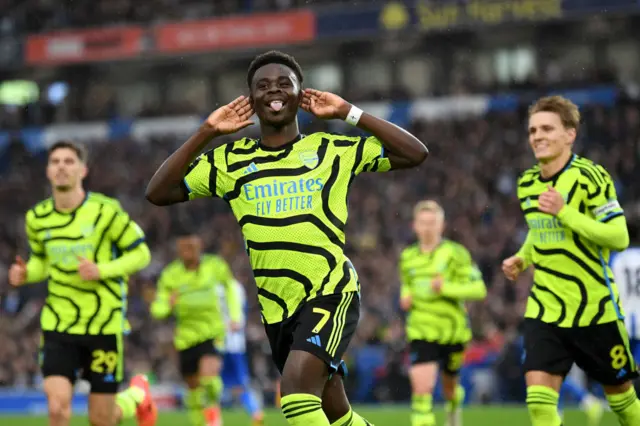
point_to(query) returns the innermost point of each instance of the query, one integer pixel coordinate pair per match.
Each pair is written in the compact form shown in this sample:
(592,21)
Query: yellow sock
(128,401)
(422,410)
(543,406)
(351,419)
(626,406)
(458,399)
(194,401)
(301,409)
(213,386)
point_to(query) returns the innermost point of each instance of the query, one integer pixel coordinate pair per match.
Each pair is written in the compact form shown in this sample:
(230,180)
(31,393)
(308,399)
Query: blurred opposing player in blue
(626,271)
(235,368)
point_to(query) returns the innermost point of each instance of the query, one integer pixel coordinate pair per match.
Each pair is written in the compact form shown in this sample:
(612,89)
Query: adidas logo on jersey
(315,340)
(250,169)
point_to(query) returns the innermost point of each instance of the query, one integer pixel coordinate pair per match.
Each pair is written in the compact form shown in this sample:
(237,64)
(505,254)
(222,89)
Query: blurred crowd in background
(472,171)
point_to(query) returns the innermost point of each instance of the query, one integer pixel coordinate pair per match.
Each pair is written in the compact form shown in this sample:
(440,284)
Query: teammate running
(437,276)
(85,245)
(626,270)
(574,312)
(188,288)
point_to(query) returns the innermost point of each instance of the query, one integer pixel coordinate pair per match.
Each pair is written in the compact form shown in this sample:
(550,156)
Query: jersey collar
(557,175)
(86,196)
(281,147)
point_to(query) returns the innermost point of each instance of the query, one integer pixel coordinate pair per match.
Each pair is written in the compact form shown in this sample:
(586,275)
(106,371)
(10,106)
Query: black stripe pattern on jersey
(346,276)
(72,217)
(259,160)
(102,235)
(563,306)
(358,160)
(78,306)
(584,296)
(445,332)
(237,190)
(55,314)
(326,193)
(108,320)
(72,303)
(292,220)
(577,240)
(296,247)
(64,271)
(533,296)
(213,174)
(549,252)
(81,290)
(274,298)
(286,273)
(37,253)
(572,192)
(602,306)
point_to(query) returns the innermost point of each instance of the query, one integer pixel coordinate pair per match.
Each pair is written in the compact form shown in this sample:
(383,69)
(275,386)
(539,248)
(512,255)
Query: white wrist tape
(354,115)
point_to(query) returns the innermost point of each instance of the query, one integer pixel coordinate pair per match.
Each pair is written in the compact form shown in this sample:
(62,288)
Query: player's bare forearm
(612,235)
(404,149)
(130,262)
(166,187)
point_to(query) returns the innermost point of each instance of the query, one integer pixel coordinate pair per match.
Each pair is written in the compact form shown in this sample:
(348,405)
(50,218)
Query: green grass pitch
(380,416)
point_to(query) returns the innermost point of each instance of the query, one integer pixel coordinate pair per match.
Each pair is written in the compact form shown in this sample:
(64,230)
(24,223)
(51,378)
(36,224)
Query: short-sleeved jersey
(197,309)
(99,230)
(291,204)
(573,284)
(433,317)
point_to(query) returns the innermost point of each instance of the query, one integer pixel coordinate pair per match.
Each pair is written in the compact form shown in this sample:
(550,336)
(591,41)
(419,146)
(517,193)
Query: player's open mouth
(276,106)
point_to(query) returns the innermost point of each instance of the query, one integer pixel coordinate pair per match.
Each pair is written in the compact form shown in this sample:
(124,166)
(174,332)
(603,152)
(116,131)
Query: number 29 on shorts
(104,361)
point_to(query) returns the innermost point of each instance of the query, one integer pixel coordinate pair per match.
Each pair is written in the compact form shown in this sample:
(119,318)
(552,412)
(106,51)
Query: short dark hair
(79,149)
(273,57)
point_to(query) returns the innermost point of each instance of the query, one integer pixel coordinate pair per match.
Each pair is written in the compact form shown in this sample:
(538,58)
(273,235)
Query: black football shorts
(322,326)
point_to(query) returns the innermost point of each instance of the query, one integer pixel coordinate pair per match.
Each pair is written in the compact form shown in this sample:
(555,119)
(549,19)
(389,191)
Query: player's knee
(617,389)
(192,381)
(423,378)
(422,388)
(303,373)
(59,410)
(209,366)
(293,382)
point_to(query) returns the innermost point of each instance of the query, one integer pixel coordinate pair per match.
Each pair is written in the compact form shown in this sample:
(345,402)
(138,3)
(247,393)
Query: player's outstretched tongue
(276,105)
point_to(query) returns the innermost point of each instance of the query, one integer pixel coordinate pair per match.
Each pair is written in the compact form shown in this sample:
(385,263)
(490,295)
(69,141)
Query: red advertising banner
(84,46)
(249,31)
